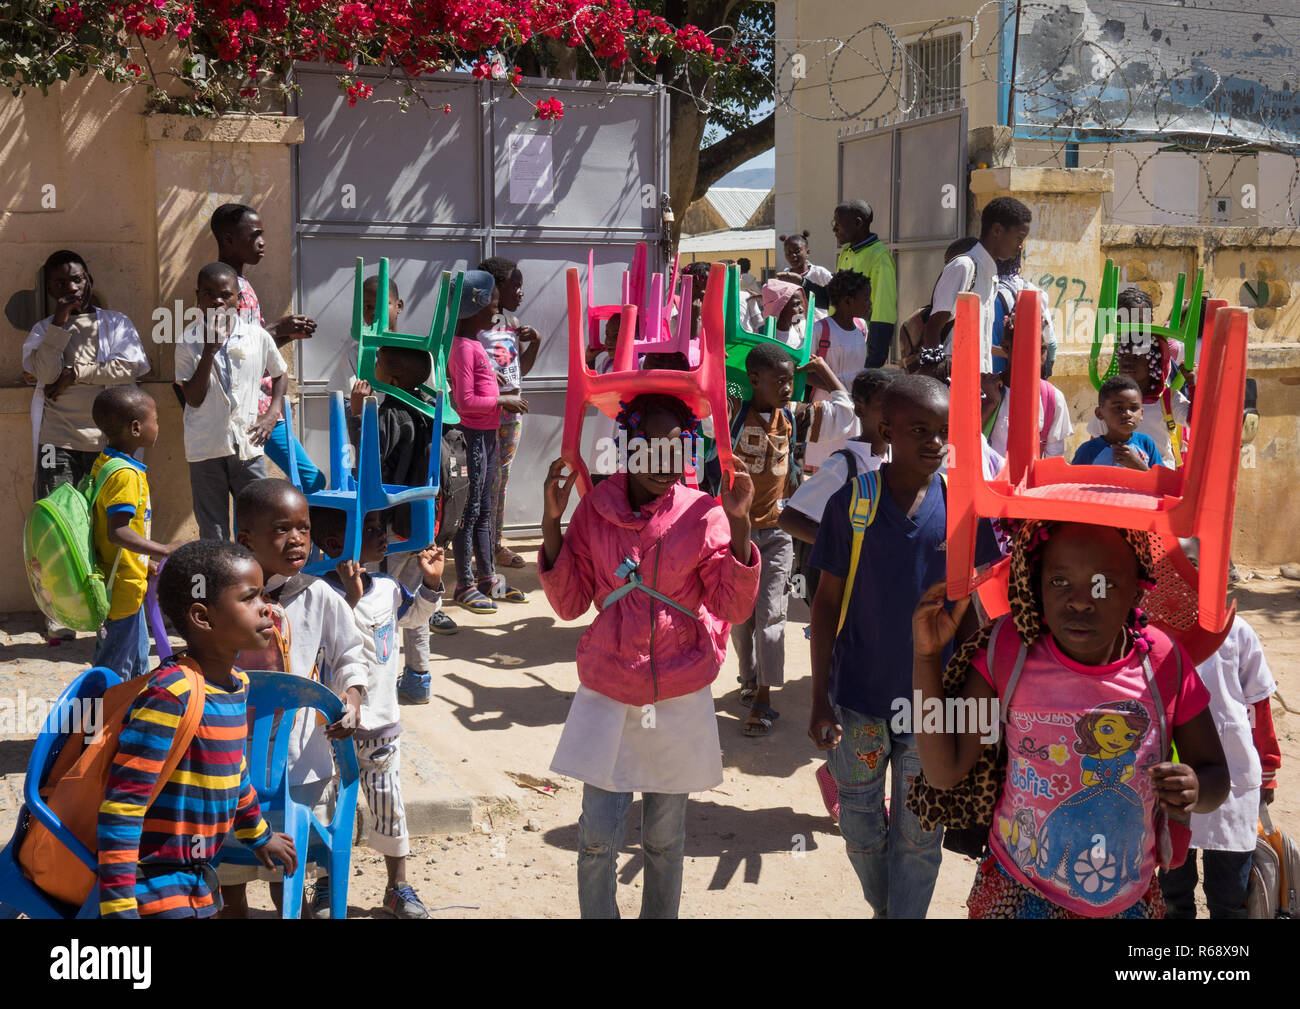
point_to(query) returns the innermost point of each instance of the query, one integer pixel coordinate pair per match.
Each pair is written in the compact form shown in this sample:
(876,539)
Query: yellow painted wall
(132,194)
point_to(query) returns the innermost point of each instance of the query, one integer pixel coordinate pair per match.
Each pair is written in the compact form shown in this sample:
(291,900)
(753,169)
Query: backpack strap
(824,339)
(1005,694)
(862,512)
(109,467)
(1047,400)
(187,728)
(851,461)
(1175,436)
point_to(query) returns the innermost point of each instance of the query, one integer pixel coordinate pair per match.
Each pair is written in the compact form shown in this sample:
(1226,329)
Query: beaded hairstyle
(971,801)
(632,415)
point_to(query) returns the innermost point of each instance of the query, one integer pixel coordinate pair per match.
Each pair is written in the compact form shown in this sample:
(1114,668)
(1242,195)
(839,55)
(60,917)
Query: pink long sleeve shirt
(474,389)
(682,543)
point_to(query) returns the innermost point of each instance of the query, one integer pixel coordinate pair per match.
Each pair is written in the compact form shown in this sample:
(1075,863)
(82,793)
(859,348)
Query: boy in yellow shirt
(120,510)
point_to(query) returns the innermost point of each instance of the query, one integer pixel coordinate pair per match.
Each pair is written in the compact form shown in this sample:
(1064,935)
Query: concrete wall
(132,194)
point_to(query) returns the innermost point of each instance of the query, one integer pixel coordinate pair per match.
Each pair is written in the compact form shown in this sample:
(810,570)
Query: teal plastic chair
(1183,327)
(273,700)
(437,343)
(367,492)
(740,342)
(18,894)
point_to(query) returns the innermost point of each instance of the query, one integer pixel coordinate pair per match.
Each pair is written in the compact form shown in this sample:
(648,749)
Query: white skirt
(671,746)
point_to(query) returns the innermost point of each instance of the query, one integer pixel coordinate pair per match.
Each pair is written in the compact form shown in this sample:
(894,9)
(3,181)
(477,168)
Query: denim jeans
(896,861)
(122,645)
(475,533)
(600,834)
(507,442)
(1227,878)
(277,450)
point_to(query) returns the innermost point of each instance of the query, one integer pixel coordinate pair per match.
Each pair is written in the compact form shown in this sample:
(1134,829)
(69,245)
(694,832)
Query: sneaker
(440,623)
(319,894)
(403,902)
(413,687)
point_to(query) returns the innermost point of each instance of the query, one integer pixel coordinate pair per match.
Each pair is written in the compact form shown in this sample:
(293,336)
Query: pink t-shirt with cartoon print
(1075,820)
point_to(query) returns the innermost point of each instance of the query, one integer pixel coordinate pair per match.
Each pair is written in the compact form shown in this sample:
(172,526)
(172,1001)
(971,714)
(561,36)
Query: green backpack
(59,551)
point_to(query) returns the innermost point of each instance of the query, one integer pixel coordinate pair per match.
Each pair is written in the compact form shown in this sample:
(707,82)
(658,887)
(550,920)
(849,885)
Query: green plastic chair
(1181,329)
(437,343)
(740,341)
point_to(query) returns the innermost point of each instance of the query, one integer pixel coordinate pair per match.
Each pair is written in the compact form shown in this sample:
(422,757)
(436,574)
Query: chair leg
(295,824)
(340,866)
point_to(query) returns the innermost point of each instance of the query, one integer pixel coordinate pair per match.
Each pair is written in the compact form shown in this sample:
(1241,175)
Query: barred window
(933,79)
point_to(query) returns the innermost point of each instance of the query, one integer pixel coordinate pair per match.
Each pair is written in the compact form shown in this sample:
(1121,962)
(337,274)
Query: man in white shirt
(219,370)
(1004,226)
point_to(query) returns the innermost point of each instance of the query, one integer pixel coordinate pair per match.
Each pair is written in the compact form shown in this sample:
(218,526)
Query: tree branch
(718,159)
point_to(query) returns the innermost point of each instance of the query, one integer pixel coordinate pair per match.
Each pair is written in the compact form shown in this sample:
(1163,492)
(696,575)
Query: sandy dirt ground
(759,845)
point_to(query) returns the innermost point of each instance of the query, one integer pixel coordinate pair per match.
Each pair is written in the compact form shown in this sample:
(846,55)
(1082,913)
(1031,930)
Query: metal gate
(913,174)
(431,190)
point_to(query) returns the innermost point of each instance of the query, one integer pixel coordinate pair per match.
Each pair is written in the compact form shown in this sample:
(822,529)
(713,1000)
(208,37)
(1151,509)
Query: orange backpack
(75,787)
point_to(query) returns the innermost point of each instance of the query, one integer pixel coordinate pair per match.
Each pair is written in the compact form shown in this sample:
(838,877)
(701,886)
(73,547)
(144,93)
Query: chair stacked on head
(366,492)
(702,388)
(740,342)
(655,330)
(1195,500)
(1182,329)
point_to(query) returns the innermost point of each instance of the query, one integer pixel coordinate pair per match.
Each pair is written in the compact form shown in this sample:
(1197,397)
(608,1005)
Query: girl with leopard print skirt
(1076,793)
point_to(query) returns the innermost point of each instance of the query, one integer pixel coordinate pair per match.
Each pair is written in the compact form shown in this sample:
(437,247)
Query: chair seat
(1101,495)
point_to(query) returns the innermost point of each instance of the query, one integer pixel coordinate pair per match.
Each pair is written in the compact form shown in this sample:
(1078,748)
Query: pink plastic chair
(1196,500)
(655,334)
(703,388)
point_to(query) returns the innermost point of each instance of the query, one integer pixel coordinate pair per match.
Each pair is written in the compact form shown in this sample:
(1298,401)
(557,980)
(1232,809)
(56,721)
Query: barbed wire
(1072,90)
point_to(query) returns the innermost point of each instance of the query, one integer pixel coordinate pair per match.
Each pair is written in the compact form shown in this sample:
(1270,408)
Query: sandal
(507,558)
(761,720)
(748,691)
(830,791)
(498,589)
(473,600)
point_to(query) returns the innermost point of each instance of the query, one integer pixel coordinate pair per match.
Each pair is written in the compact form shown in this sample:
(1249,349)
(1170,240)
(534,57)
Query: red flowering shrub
(247,45)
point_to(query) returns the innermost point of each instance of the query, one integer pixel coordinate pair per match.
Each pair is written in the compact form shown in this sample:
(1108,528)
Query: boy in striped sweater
(154,863)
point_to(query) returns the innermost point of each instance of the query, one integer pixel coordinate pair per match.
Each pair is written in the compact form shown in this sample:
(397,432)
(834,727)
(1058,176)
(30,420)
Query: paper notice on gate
(532,177)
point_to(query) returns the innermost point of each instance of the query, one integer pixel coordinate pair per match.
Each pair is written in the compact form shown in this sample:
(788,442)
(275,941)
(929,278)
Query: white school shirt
(669,747)
(1153,424)
(846,356)
(218,426)
(323,636)
(1055,436)
(1237,677)
(117,338)
(977,272)
(811,497)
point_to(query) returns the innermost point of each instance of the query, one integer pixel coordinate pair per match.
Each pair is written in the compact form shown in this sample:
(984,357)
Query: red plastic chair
(703,388)
(1196,500)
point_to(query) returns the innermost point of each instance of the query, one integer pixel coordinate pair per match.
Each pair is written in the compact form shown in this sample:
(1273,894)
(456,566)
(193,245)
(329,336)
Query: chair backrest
(273,700)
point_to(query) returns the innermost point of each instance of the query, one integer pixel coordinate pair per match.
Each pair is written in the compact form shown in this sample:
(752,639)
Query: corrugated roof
(736,206)
(726,241)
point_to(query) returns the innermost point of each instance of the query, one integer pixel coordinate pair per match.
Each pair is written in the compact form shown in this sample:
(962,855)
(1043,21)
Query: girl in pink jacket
(669,571)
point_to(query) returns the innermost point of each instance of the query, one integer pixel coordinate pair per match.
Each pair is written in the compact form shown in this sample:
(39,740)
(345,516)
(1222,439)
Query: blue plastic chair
(18,894)
(366,492)
(329,844)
